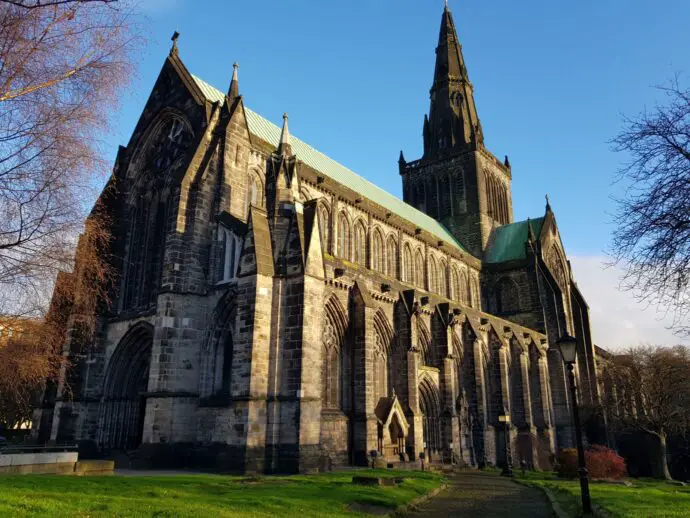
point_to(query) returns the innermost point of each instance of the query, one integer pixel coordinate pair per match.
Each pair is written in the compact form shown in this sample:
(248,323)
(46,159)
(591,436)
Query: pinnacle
(234,90)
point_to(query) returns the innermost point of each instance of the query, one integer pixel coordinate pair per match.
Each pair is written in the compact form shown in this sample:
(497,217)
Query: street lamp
(508,465)
(568,347)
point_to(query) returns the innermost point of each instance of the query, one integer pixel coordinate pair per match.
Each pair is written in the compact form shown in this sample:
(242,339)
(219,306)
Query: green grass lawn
(199,496)
(646,499)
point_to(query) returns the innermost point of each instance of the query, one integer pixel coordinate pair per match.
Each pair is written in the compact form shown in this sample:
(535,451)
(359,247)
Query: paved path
(486,495)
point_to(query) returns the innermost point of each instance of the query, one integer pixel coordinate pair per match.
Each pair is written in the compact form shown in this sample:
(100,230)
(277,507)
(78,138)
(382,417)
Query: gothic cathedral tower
(457,181)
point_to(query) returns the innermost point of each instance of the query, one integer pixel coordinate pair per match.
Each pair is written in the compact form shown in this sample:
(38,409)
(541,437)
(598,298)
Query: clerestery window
(230,248)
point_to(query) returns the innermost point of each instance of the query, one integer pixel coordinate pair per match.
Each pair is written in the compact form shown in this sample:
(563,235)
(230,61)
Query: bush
(602,462)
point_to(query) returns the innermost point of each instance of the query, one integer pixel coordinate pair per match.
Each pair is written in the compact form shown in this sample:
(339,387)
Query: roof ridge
(270,132)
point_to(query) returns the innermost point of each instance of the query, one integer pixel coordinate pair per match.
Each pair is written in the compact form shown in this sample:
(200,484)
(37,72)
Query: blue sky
(552,80)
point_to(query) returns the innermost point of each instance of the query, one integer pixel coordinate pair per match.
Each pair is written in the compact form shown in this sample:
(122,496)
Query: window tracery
(343,237)
(360,244)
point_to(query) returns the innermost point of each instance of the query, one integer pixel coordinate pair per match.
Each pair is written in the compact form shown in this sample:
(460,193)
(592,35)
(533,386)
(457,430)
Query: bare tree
(62,65)
(652,239)
(650,393)
(38,4)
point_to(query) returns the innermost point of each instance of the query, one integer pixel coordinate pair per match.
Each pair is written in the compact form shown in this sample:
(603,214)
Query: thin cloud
(618,320)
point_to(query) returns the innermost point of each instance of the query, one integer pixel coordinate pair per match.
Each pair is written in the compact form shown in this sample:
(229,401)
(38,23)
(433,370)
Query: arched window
(392,257)
(324,226)
(377,252)
(407,266)
(332,366)
(255,191)
(343,237)
(419,269)
(433,275)
(474,293)
(230,246)
(464,290)
(489,196)
(360,244)
(454,284)
(442,282)
(336,368)
(507,296)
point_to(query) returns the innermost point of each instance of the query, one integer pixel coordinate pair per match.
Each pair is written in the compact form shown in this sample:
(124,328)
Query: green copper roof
(509,241)
(269,132)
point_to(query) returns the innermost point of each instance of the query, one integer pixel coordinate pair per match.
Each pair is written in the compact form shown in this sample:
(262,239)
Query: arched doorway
(126,381)
(430,405)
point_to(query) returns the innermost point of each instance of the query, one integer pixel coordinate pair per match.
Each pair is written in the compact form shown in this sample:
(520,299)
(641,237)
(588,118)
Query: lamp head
(568,346)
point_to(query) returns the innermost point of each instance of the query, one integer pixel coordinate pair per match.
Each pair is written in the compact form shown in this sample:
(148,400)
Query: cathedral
(276,312)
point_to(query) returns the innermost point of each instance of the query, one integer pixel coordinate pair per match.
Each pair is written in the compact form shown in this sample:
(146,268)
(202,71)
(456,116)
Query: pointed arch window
(229,244)
(454,284)
(255,191)
(392,257)
(360,244)
(433,275)
(442,281)
(377,252)
(474,293)
(408,265)
(419,269)
(343,237)
(464,289)
(324,226)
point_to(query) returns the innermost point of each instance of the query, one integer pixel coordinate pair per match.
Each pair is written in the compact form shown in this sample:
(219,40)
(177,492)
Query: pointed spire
(401,160)
(234,90)
(506,162)
(284,147)
(173,49)
(427,134)
(548,203)
(453,122)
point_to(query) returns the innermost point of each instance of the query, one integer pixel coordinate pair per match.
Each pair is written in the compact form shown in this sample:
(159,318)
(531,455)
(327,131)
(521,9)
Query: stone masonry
(275,312)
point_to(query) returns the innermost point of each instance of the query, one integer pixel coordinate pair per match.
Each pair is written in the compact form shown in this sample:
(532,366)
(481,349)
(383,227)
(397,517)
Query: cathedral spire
(453,123)
(234,90)
(284,147)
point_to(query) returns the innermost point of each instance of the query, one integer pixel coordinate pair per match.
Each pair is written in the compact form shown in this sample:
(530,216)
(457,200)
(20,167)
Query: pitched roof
(269,132)
(509,241)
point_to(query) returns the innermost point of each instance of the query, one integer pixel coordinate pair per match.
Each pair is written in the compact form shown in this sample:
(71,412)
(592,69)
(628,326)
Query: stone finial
(548,203)
(284,147)
(401,160)
(173,49)
(506,162)
(234,90)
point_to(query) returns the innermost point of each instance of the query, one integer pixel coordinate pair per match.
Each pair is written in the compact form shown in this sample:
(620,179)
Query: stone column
(365,421)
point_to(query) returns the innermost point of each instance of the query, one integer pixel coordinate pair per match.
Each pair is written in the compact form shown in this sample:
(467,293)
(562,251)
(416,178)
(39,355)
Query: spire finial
(548,203)
(401,160)
(173,49)
(284,147)
(234,89)
(446,8)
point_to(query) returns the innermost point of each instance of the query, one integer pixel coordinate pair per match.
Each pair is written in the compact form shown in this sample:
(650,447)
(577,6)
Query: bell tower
(457,181)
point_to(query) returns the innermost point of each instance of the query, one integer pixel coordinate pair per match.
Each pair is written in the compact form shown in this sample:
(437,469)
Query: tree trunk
(663,457)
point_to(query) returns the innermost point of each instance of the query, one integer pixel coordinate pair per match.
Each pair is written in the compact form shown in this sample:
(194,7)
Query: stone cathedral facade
(276,312)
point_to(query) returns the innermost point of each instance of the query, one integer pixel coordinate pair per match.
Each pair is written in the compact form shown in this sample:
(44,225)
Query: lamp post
(568,347)
(508,465)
